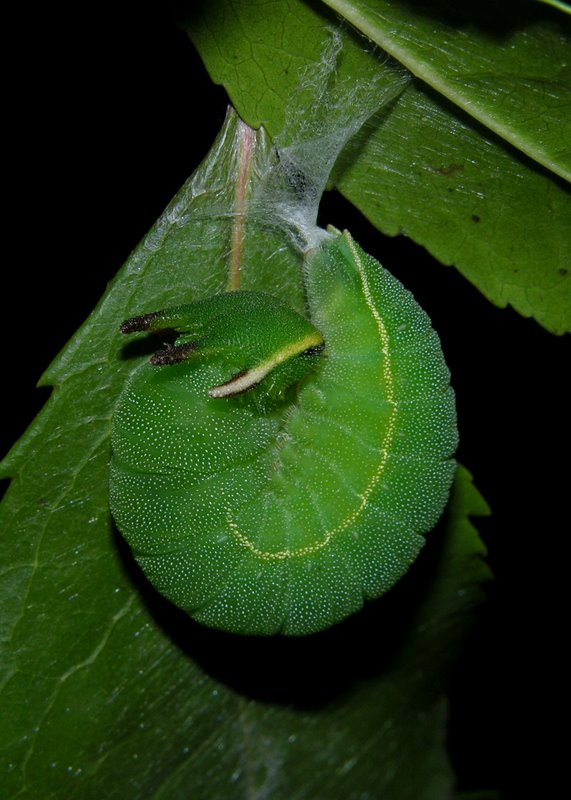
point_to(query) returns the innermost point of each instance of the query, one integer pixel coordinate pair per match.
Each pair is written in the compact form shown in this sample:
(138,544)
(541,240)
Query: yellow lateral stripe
(312,339)
(280,555)
(251,377)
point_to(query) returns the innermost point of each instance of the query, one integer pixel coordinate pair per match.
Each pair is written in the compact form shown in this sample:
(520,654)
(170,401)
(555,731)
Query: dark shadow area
(304,672)
(145,345)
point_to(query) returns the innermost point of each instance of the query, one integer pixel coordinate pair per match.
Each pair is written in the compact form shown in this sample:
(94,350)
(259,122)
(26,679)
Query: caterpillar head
(273,346)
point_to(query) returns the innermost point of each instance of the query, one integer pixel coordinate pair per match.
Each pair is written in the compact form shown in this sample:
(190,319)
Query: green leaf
(504,224)
(466,162)
(504,64)
(107,690)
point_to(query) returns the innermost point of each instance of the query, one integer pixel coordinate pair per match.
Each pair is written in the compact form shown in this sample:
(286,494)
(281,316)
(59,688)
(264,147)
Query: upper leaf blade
(423,167)
(505,64)
(502,221)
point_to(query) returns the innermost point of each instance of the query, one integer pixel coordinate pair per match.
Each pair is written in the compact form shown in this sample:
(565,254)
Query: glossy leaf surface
(112,693)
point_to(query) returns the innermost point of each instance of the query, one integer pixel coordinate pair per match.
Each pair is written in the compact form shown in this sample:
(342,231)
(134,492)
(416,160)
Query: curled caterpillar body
(271,473)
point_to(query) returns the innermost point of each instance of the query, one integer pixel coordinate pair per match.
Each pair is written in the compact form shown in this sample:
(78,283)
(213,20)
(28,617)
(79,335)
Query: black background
(103,126)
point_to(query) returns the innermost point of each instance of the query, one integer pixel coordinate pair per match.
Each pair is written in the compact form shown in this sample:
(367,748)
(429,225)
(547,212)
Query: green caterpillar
(271,472)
